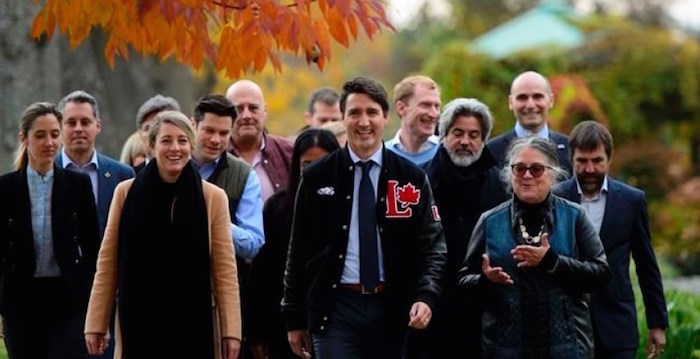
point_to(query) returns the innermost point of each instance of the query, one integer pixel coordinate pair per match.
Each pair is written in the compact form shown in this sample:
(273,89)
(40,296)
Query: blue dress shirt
(40,191)
(351,271)
(248,235)
(89,168)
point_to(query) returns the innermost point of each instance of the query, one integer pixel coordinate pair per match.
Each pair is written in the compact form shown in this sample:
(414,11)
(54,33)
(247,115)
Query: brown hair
(26,122)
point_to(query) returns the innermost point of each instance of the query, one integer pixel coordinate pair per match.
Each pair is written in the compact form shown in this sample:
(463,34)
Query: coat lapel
(59,215)
(612,207)
(105,181)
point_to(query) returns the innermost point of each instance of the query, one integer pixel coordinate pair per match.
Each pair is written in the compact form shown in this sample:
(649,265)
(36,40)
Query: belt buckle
(373,290)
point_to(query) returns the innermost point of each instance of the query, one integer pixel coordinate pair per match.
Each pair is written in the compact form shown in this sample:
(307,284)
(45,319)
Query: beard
(464,161)
(590,183)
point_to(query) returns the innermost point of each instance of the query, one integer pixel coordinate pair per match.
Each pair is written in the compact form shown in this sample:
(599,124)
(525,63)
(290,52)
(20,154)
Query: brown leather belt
(359,288)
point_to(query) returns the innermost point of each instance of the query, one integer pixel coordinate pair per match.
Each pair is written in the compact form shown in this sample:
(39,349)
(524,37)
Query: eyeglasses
(536,169)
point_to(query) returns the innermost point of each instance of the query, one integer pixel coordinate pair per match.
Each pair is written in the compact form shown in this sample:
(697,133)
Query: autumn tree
(236,35)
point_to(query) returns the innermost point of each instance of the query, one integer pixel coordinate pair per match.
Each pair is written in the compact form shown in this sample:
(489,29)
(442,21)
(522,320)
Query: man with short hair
(269,155)
(367,252)
(79,129)
(80,126)
(619,213)
(323,107)
(417,103)
(465,180)
(146,117)
(213,118)
(530,99)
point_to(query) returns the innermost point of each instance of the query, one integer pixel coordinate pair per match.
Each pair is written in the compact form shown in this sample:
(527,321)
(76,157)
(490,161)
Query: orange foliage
(574,103)
(236,35)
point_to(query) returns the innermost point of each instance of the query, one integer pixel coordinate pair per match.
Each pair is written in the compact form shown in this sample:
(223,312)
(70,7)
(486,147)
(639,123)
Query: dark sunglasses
(536,170)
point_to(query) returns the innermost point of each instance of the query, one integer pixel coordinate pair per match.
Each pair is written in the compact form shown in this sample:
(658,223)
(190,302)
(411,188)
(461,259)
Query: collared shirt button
(334,286)
(265,161)
(381,199)
(381,229)
(77,261)
(348,197)
(277,185)
(345,227)
(351,168)
(340,256)
(323,327)
(325,318)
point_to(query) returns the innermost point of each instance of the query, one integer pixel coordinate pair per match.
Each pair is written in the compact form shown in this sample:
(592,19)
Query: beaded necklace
(526,236)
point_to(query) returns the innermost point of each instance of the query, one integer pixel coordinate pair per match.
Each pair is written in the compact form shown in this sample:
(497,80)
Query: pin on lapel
(108,175)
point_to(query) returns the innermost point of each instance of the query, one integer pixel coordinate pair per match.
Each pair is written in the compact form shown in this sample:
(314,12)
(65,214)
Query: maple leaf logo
(408,195)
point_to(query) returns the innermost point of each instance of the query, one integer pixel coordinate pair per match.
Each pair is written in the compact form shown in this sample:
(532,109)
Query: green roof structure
(546,25)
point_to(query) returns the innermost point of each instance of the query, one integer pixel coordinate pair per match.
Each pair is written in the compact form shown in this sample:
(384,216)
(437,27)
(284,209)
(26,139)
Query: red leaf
(408,194)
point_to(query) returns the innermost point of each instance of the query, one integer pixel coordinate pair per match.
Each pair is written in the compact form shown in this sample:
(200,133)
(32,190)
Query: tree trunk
(46,70)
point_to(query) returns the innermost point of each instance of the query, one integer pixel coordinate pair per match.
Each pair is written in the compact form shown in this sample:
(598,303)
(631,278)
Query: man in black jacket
(465,180)
(357,283)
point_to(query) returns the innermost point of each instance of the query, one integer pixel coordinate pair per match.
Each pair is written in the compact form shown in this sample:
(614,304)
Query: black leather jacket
(555,294)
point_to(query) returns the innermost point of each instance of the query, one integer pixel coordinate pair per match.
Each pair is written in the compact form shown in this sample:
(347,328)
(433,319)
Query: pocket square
(326,191)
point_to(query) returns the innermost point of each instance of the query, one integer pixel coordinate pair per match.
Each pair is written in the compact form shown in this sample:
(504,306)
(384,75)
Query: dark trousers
(602,353)
(45,327)
(356,329)
(454,331)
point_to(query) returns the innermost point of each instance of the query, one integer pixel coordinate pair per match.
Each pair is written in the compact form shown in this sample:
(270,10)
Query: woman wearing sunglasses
(534,259)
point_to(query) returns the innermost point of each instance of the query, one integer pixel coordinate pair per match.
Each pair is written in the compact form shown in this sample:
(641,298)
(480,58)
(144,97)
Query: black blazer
(75,237)
(625,230)
(500,144)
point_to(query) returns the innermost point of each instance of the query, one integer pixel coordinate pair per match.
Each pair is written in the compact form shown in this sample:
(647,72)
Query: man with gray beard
(465,181)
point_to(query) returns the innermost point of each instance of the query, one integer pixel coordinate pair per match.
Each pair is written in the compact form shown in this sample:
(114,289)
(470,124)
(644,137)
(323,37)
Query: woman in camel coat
(167,260)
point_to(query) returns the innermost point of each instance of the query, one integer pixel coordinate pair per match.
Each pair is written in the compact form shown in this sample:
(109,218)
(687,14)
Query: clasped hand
(525,255)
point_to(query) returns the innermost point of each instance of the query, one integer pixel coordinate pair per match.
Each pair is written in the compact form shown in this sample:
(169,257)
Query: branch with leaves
(237,36)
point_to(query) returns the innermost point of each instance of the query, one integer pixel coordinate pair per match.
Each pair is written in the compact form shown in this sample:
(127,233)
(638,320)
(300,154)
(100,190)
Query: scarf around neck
(164,267)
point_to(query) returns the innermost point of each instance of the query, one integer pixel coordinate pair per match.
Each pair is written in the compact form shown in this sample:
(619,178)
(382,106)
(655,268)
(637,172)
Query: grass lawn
(3,352)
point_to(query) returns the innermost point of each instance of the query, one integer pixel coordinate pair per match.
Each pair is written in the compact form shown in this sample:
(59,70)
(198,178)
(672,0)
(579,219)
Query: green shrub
(683,333)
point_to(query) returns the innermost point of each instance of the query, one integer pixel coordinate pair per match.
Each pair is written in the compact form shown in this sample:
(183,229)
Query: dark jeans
(356,330)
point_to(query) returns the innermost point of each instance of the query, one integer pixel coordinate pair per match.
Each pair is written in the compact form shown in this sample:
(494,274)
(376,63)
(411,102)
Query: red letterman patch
(400,198)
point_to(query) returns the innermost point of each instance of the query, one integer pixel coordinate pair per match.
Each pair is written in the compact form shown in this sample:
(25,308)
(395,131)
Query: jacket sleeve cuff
(296,321)
(550,261)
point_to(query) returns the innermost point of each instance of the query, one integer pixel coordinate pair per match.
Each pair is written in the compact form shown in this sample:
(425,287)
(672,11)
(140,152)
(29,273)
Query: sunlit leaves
(235,35)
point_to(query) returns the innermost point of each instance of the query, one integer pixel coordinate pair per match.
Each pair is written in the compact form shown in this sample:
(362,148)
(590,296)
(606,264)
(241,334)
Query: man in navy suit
(80,126)
(619,213)
(530,99)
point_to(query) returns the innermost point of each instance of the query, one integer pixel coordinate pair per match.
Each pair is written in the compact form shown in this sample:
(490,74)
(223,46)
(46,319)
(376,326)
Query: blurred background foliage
(636,70)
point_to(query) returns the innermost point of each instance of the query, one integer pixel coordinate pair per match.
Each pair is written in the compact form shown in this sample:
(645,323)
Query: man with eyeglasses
(269,155)
(530,99)
(465,182)
(619,214)
(146,117)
